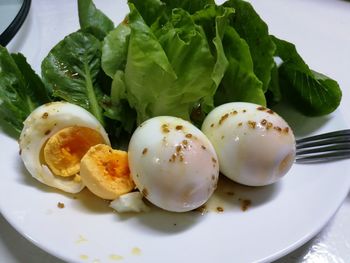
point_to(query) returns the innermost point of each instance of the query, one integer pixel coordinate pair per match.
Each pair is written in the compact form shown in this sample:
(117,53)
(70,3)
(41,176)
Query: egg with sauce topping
(105,172)
(54,138)
(255,146)
(173,163)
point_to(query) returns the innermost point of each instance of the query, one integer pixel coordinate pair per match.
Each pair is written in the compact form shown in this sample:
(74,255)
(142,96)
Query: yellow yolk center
(105,172)
(115,165)
(64,150)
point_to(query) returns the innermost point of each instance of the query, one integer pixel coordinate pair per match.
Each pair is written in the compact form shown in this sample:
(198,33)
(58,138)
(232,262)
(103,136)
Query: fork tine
(336,147)
(324,141)
(325,136)
(324,147)
(323,157)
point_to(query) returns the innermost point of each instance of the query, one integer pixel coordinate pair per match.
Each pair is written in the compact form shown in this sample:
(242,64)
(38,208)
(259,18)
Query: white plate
(281,217)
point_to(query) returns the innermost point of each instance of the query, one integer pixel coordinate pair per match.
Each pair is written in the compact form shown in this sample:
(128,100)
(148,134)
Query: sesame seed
(165,128)
(277,128)
(219,209)
(45,115)
(252,124)
(245,204)
(224,117)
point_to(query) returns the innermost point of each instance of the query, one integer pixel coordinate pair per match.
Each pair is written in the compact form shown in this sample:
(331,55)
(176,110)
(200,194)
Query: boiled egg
(130,202)
(173,163)
(105,172)
(255,146)
(54,138)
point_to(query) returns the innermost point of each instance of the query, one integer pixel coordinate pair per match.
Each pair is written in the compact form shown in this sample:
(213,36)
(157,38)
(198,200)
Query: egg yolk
(64,150)
(105,172)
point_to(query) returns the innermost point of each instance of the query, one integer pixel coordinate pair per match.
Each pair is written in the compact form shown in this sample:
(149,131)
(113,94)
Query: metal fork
(325,147)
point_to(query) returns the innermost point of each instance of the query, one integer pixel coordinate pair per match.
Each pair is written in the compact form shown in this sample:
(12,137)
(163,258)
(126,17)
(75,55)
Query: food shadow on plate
(302,125)
(231,197)
(84,200)
(162,221)
(228,199)
(27,179)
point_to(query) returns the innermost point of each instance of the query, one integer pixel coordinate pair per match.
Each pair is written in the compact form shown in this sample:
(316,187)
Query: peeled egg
(255,146)
(173,163)
(54,138)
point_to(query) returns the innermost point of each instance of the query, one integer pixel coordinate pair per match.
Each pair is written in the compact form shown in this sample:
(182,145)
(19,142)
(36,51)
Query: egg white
(255,146)
(173,164)
(39,126)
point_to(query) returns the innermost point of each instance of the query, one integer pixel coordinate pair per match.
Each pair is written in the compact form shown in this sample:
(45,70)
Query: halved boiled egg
(54,138)
(173,163)
(255,146)
(105,172)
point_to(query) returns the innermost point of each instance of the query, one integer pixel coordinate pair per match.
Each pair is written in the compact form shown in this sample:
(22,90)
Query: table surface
(331,245)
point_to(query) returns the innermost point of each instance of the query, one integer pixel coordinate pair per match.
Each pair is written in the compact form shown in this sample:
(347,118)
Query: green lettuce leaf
(92,20)
(273,94)
(21,90)
(239,82)
(116,105)
(150,10)
(254,31)
(214,20)
(115,49)
(191,6)
(71,69)
(312,93)
(168,70)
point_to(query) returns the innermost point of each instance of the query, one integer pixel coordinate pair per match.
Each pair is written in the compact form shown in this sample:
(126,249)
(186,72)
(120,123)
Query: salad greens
(115,49)
(312,92)
(21,90)
(168,57)
(70,70)
(254,31)
(93,20)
